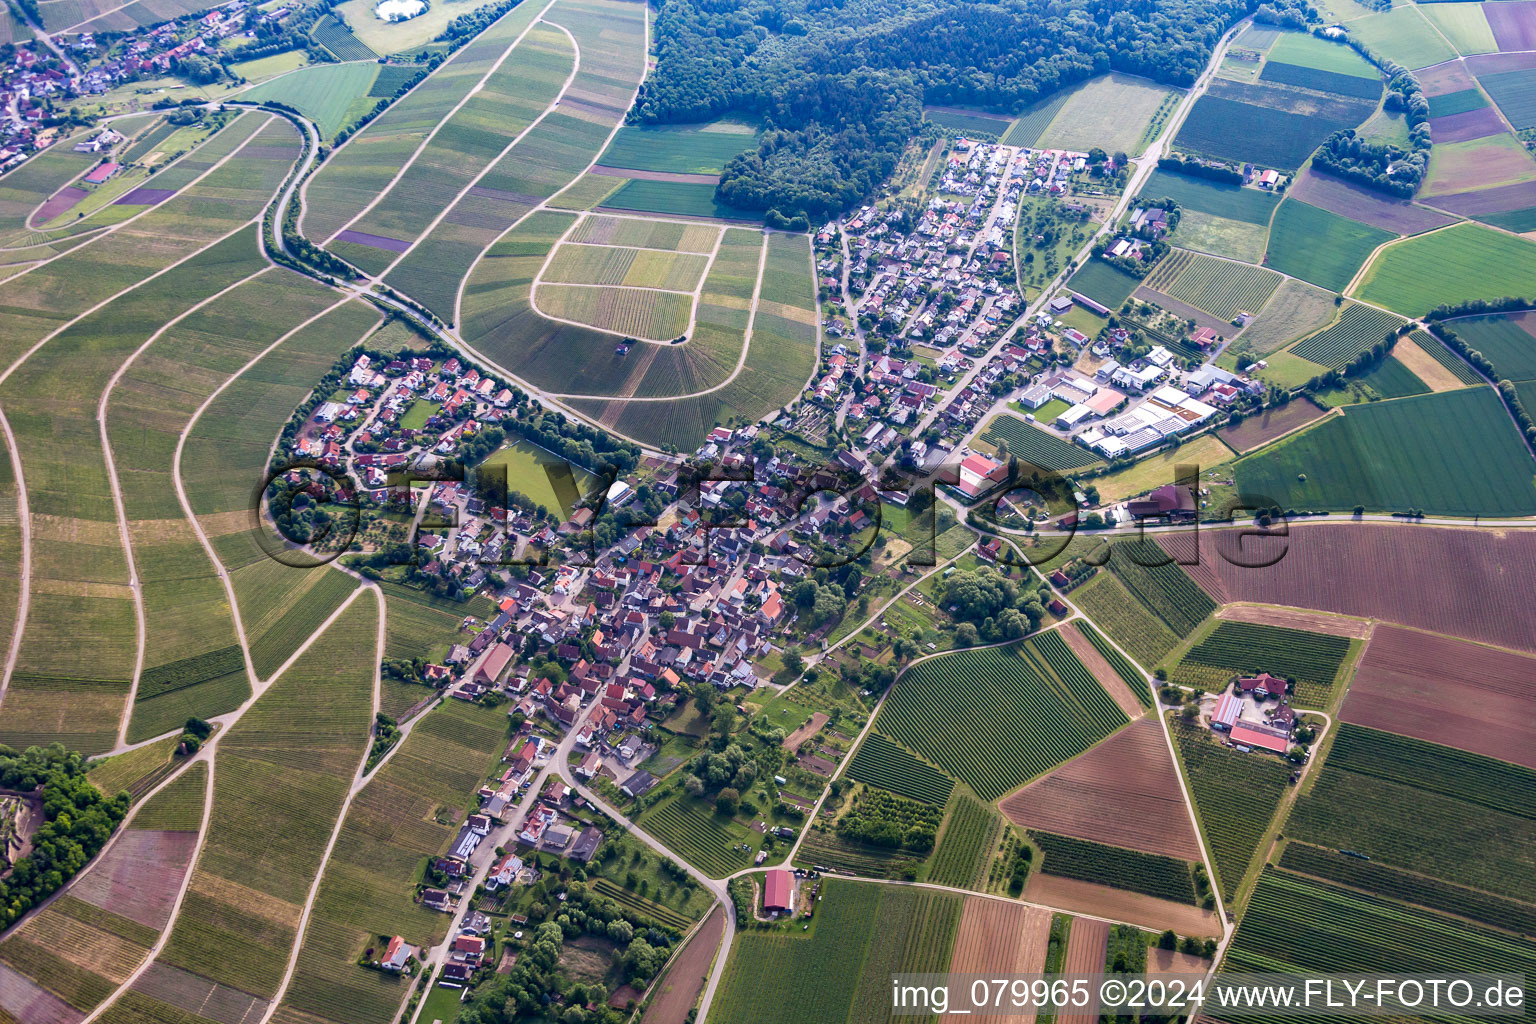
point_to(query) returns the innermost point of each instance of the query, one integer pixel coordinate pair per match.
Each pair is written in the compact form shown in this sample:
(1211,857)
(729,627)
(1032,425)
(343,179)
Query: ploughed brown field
(1272,423)
(1296,618)
(681,985)
(806,731)
(1469,582)
(1151,913)
(1108,678)
(999,938)
(1447,691)
(1123,792)
(1087,943)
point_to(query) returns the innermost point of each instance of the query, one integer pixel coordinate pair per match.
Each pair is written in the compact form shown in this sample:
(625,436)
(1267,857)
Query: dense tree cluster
(840,86)
(77,822)
(1385,168)
(991,607)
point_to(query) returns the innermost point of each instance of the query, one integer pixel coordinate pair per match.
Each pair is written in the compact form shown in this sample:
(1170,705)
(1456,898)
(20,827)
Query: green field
(1035,446)
(1022,710)
(1452,453)
(1295,309)
(968,122)
(1235,797)
(1034,119)
(1456,102)
(1164,589)
(684,148)
(838,972)
(698,834)
(409,811)
(1125,619)
(1313,660)
(879,762)
(1103,283)
(541,476)
(1320,247)
(1239,124)
(1515,93)
(1391,378)
(1111,111)
(1464,24)
(1308,51)
(630,312)
(672,198)
(1465,261)
(1358,329)
(1217,218)
(1403,35)
(331,95)
(1510,347)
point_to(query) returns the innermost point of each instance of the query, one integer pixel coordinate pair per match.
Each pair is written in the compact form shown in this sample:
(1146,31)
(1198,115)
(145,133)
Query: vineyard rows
(1165,589)
(1432,893)
(696,838)
(664,916)
(1359,328)
(879,762)
(1114,866)
(1128,672)
(1224,288)
(1235,797)
(966,845)
(1428,766)
(1247,647)
(994,719)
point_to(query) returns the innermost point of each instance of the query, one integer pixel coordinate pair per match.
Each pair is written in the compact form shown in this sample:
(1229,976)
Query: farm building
(1263,684)
(977,472)
(777,891)
(1074,416)
(1263,737)
(102,173)
(1169,501)
(1225,715)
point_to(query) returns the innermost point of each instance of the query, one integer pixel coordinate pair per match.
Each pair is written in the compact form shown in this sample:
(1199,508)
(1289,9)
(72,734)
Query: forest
(840,85)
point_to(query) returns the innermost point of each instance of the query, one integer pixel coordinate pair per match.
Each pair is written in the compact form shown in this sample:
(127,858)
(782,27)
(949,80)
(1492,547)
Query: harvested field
(1123,792)
(1094,662)
(1513,23)
(806,731)
(1357,203)
(1421,361)
(1272,423)
(1468,125)
(139,876)
(1489,200)
(1086,945)
(1120,905)
(1382,571)
(1480,163)
(1445,79)
(1001,938)
(1446,691)
(1170,961)
(679,988)
(1296,618)
(1493,63)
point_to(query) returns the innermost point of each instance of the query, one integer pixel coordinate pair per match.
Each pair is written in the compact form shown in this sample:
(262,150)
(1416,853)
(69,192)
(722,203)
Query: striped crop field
(635,268)
(879,762)
(1356,330)
(634,312)
(996,717)
(1223,287)
(1312,659)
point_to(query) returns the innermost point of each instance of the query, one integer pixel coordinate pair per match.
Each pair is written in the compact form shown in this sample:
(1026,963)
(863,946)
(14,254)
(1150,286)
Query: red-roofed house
(978,472)
(1256,736)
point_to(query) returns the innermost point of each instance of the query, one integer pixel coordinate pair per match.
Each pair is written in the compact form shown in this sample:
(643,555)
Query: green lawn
(541,476)
(685,148)
(1308,51)
(1404,35)
(1465,261)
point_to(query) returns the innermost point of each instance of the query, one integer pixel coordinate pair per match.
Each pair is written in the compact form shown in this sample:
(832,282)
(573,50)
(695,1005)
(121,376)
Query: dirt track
(1107,676)
(1296,618)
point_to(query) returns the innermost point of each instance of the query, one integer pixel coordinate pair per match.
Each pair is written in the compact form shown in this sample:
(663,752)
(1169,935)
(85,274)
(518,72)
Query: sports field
(1453,453)
(1320,247)
(1466,261)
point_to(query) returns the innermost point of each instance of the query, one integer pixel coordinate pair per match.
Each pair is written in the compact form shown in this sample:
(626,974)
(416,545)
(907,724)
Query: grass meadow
(1465,261)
